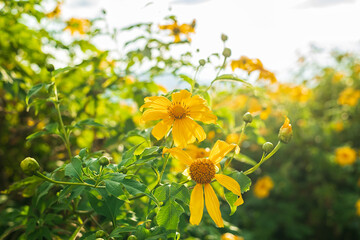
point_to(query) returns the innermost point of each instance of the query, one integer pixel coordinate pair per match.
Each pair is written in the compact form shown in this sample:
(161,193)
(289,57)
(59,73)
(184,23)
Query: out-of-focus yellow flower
(230,236)
(180,115)
(211,135)
(300,93)
(338,76)
(234,138)
(358,182)
(265,114)
(357,205)
(79,25)
(30,122)
(56,12)
(176,30)
(254,106)
(267,75)
(338,126)
(349,96)
(129,79)
(345,156)
(162,88)
(263,186)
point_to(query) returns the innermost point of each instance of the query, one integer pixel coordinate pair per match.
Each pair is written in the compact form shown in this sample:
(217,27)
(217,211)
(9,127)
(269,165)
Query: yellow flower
(267,75)
(78,25)
(203,171)
(230,236)
(345,156)
(254,106)
(234,138)
(338,76)
(265,114)
(357,205)
(263,186)
(56,12)
(338,126)
(211,135)
(349,96)
(176,30)
(179,114)
(196,152)
(285,132)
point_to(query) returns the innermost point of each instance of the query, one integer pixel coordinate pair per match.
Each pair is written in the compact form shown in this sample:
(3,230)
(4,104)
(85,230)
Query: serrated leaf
(116,232)
(169,215)
(114,188)
(173,191)
(73,169)
(149,151)
(129,157)
(108,207)
(134,187)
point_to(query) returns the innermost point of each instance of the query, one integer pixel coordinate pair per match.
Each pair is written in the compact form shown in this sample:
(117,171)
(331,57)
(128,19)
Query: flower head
(78,25)
(203,171)
(263,186)
(230,236)
(285,133)
(56,12)
(345,156)
(176,30)
(179,114)
(349,96)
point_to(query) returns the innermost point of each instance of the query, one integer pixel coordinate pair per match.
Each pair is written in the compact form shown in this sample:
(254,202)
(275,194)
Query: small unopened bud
(285,133)
(103,161)
(202,62)
(50,67)
(224,37)
(267,147)
(132,237)
(100,234)
(227,52)
(29,166)
(247,117)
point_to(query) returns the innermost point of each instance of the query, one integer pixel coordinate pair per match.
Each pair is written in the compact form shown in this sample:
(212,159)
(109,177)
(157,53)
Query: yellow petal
(180,96)
(194,129)
(180,155)
(151,114)
(213,205)
(232,185)
(219,151)
(160,103)
(162,128)
(196,204)
(180,136)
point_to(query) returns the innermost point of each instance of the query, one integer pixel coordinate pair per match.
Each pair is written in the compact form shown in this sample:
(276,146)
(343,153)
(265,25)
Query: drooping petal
(152,114)
(231,185)
(180,155)
(180,96)
(199,110)
(181,136)
(219,151)
(160,103)
(194,129)
(213,205)
(162,128)
(196,204)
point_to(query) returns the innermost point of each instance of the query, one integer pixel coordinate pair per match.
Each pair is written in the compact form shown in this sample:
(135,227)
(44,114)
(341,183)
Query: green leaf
(33,91)
(172,191)
(116,232)
(129,157)
(87,122)
(61,70)
(187,79)
(169,215)
(244,182)
(35,135)
(114,188)
(230,77)
(108,207)
(134,187)
(73,169)
(149,151)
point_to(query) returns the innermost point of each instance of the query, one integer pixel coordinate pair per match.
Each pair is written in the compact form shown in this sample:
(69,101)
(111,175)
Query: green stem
(238,143)
(40,175)
(221,68)
(164,166)
(194,80)
(62,126)
(263,159)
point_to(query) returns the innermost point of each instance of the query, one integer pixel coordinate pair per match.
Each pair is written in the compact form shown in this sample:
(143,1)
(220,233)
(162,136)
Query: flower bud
(103,161)
(29,166)
(226,52)
(285,133)
(267,147)
(202,62)
(132,237)
(224,37)
(100,234)
(50,67)
(247,117)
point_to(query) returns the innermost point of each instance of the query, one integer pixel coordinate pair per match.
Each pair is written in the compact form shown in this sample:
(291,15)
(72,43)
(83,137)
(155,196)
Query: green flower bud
(224,37)
(132,237)
(247,117)
(100,234)
(103,161)
(227,52)
(29,166)
(202,62)
(50,67)
(267,147)
(285,132)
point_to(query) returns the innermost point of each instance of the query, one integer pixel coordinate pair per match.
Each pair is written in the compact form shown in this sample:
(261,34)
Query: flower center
(176,31)
(202,170)
(177,111)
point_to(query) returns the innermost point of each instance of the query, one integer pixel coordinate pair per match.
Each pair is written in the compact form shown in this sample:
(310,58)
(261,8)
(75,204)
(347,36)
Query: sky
(274,31)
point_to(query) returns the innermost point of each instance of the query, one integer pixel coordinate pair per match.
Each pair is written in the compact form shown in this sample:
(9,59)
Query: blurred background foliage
(309,189)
